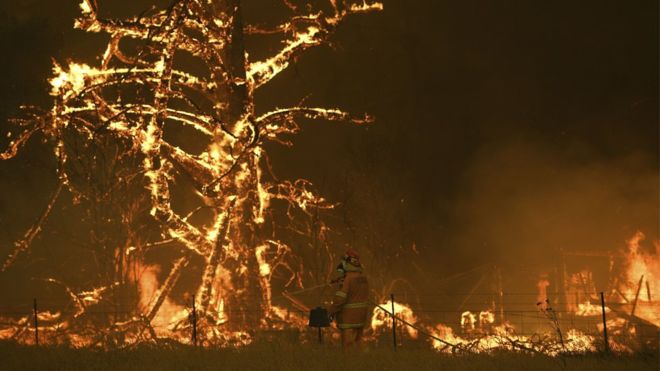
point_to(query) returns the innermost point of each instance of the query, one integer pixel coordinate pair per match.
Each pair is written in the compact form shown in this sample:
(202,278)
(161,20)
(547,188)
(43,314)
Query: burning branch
(108,126)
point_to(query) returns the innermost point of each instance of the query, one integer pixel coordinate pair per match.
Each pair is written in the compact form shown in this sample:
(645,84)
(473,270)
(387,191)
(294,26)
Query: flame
(148,286)
(264,267)
(638,264)
(168,313)
(366,7)
(85,7)
(486,318)
(380,321)
(588,309)
(468,321)
(577,341)
(288,318)
(73,81)
(487,338)
(542,286)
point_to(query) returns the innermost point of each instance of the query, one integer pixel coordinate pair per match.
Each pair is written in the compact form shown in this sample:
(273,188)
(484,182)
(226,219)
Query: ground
(283,356)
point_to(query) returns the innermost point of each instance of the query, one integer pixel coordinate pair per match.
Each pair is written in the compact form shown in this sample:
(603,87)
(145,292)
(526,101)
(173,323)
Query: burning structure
(630,283)
(567,325)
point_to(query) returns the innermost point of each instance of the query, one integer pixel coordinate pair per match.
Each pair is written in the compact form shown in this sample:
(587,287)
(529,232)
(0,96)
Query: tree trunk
(232,89)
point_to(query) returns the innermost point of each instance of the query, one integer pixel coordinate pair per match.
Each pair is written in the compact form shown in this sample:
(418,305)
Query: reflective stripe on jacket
(350,302)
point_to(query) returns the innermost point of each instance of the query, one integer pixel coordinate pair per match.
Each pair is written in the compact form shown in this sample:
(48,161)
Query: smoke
(523,200)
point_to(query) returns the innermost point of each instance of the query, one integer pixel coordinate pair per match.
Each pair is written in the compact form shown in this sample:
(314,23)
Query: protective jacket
(350,303)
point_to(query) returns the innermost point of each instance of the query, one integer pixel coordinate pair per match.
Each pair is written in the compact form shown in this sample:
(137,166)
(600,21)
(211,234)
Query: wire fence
(478,316)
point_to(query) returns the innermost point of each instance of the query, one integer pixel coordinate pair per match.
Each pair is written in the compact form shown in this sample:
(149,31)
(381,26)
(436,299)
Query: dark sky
(505,129)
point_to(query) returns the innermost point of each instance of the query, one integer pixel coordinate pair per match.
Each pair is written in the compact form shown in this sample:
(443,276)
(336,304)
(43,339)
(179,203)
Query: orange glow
(381,321)
(226,246)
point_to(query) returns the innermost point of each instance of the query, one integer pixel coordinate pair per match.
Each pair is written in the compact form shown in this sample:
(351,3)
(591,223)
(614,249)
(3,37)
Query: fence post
(639,288)
(393,322)
(194,323)
(36,322)
(602,305)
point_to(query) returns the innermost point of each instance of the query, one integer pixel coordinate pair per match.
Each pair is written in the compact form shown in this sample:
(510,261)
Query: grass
(285,356)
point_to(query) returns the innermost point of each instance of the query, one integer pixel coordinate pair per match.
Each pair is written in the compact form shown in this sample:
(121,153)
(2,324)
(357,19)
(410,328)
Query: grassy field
(277,356)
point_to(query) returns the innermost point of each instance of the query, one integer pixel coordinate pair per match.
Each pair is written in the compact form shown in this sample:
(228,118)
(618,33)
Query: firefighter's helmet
(352,257)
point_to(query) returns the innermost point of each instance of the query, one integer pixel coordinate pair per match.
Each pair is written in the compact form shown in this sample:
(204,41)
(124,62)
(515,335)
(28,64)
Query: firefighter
(349,305)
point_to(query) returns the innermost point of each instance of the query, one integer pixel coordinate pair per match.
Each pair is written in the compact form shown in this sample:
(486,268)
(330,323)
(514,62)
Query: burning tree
(108,128)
